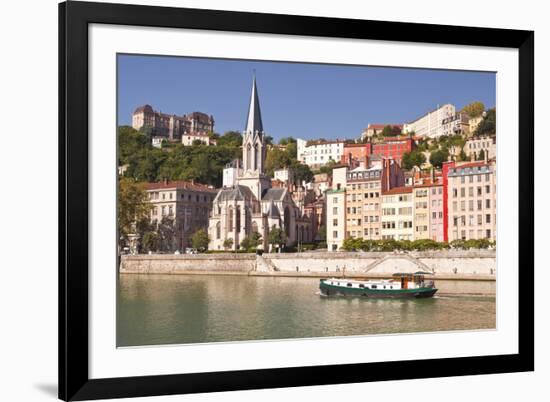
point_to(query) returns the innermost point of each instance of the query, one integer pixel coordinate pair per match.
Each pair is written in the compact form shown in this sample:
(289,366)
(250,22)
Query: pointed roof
(254,120)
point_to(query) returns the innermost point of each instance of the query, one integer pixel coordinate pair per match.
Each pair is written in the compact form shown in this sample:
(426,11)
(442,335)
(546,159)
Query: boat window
(384,286)
(373,286)
(391,287)
(361,285)
(350,285)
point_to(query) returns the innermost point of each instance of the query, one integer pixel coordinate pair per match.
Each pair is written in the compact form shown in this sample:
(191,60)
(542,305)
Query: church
(250,204)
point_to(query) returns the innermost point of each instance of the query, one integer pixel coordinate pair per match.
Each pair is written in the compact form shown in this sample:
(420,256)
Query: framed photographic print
(258,201)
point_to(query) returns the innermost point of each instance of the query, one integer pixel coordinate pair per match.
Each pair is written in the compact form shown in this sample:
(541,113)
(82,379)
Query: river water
(169,309)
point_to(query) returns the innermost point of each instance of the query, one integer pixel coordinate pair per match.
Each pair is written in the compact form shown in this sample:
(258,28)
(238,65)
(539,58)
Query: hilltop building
(431,124)
(171,126)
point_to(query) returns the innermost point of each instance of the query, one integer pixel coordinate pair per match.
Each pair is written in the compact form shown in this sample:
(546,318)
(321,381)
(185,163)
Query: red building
(391,147)
(445,172)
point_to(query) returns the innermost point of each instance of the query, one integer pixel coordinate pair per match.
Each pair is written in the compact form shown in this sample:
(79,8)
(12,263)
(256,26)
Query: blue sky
(300,100)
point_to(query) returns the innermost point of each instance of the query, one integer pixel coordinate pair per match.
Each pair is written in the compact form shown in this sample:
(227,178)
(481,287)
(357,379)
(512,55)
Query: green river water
(170,309)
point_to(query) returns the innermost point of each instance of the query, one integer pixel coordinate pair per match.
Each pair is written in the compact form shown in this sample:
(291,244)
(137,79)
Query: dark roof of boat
(418,273)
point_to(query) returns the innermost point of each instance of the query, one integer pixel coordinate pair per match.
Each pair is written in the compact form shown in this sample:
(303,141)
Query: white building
(475,145)
(319,153)
(187,139)
(231,172)
(336,210)
(284,175)
(398,214)
(431,124)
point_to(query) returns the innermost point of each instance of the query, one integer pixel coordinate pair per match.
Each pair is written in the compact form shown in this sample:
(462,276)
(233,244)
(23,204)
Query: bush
(357,244)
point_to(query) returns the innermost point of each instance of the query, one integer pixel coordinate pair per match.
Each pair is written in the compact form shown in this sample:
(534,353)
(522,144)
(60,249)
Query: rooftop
(187,185)
(398,190)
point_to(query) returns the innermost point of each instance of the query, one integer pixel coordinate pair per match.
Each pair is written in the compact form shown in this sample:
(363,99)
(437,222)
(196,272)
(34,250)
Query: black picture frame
(74,381)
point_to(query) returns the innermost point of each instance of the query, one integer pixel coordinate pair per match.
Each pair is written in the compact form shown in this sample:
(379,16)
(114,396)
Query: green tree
(287,140)
(301,172)
(413,158)
(487,126)
(292,150)
(228,243)
(438,157)
(251,242)
(231,139)
(481,155)
(391,131)
(276,237)
(167,234)
(150,241)
(276,159)
(462,156)
(133,205)
(200,240)
(268,140)
(474,109)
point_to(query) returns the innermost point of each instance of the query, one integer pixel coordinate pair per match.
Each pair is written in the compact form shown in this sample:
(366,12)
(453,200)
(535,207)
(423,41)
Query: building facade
(475,145)
(431,124)
(471,195)
(318,153)
(183,205)
(398,214)
(189,138)
(458,124)
(171,126)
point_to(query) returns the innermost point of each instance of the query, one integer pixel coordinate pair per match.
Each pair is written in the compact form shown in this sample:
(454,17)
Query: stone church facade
(251,204)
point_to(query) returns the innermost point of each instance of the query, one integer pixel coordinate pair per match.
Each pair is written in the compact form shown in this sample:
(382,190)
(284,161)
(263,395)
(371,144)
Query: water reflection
(166,309)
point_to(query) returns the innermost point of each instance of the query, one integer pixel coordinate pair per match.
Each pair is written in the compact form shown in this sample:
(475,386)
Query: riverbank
(479,265)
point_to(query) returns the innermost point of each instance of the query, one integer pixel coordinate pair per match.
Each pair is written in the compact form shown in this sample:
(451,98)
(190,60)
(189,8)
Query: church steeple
(254,124)
(253,138)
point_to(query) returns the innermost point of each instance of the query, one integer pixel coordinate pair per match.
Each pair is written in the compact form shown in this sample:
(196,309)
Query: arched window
(256,156)
(238,219)
(230,212)
(218,230)
(248,156)
(254,227)
(287,221)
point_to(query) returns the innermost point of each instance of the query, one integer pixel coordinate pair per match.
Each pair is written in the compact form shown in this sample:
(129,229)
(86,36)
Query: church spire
(254,120)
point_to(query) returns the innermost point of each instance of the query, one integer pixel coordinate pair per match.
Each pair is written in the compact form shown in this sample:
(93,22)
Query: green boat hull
(333,290)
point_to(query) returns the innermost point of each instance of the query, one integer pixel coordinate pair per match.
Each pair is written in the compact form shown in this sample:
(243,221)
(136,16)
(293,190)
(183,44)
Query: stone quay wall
(448,264)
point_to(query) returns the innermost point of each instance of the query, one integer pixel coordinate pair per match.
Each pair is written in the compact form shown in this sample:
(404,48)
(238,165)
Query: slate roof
(275,194)
(236,193)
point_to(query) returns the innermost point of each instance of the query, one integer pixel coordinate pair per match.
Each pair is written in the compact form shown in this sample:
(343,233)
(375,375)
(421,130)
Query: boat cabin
(413,281)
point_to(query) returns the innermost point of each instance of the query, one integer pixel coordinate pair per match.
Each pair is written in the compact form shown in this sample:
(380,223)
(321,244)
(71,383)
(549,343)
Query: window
(486,176)
(335,200)
(487,203)
(487,189)
(470,205)
(335,234)
(335,210)
(479,192)
(479,205)
(479,219)
(335,222)
(488,233)
(462,179)
(471,191)
(488,218)
(463,192)
(470,179)
(170,211)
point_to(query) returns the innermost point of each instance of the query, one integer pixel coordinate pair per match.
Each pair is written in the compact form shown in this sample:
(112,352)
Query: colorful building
(470,192)
(398,214)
